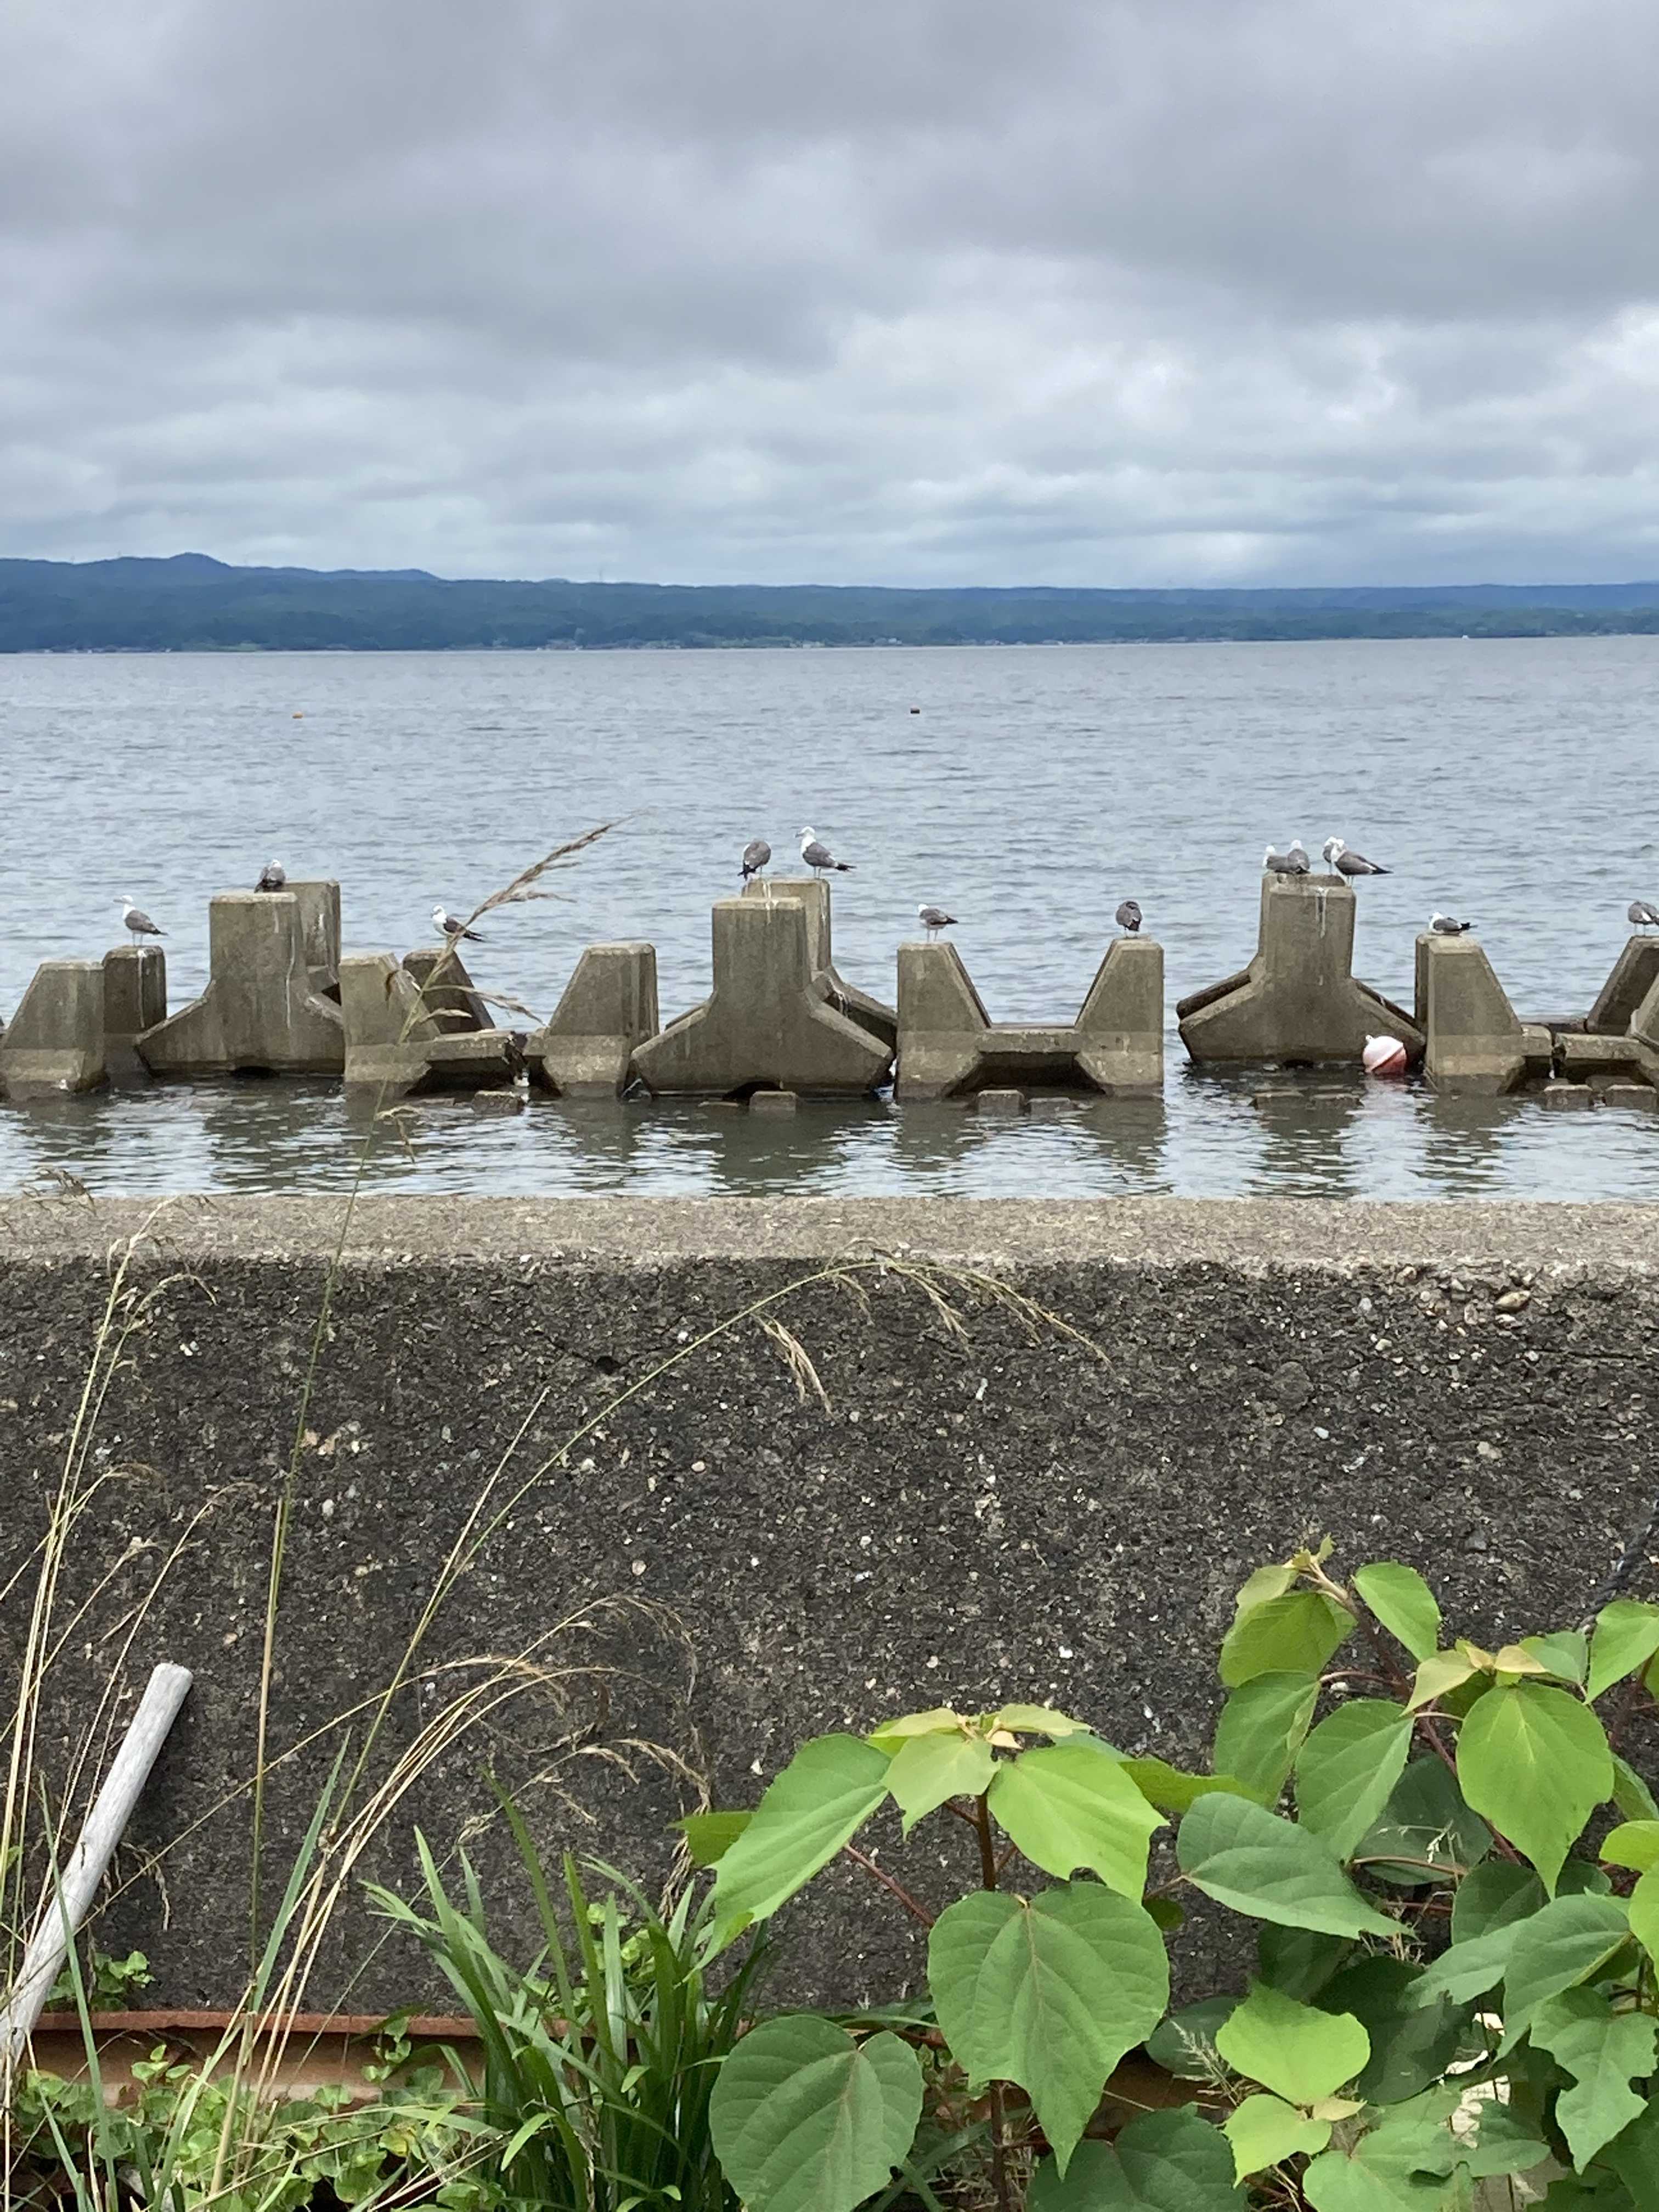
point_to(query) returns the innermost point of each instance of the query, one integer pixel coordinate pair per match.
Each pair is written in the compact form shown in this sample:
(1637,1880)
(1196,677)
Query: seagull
(448,927)
(1446,925)
(1128,917)
(272,877)
(138,922)
(1347,863)
(1643,913)
(933,919)
(820,858)
(1293,863)
(756,854)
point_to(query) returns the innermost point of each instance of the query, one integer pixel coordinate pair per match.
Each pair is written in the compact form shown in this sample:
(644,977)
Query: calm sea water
(1512,781)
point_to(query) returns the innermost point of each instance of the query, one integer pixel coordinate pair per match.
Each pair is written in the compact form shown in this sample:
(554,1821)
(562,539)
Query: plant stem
(917,1910)
(987,1873)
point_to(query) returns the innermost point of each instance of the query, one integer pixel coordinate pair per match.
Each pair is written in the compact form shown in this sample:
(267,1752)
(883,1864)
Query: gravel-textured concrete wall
(1006,1511)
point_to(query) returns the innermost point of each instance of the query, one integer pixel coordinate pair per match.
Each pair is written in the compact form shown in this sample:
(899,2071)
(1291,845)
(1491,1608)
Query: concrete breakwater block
(949,1048)
(394,1040)
(447,991)
(608,1011)
(1298,1001)
(770,1021)
(135,1000)
(1476,1044)
(870,1014)
(55,1042)
(1634,973)
(266,1006)
(1568,1098)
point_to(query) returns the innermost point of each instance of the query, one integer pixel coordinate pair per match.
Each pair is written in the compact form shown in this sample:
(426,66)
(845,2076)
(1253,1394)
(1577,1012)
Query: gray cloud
(1164,290)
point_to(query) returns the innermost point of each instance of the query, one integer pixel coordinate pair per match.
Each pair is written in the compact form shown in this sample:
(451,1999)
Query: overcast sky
(982,291)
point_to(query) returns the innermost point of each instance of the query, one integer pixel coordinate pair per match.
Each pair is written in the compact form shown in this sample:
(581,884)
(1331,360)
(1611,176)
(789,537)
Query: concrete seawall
(989,1508)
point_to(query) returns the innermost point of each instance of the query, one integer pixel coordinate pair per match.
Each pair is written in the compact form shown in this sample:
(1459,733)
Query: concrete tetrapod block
(56,1039)
(261,1009)
(1120,1030)
(320,923)
(1644,1033)
(1298,999)
(609,1008)
(769,1022)
(949,1046)
(870,1014)
(135,1000)
(447,991)
(392,1039)
(1475,1043)
(1634,973)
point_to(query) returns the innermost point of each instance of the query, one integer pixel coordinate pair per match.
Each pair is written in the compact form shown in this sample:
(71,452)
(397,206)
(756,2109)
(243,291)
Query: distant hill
(193,604)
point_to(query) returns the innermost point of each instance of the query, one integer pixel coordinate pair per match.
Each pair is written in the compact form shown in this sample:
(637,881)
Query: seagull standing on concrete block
(272,877)
(1642,913)
(1447,925)
(450,928)
(820,858)
(1127,917)
(1351,864)
(933,919)
(1293,863)
(756,856)
(138,922)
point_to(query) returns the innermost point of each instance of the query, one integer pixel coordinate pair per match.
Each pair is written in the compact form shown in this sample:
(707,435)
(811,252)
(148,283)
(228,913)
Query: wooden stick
(105,1824)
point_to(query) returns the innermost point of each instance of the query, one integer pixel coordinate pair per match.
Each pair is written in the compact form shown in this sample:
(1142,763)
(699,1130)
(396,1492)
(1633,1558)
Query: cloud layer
(1092,291)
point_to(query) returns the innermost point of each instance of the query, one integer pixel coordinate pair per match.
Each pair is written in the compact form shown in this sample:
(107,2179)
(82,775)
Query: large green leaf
(1033,1720)
(926,1770)
(1300,2053)
(1568,1941)
(1644,1913)
(1426,1833)
(1494,1895)
(1263,2130)
(1631,1794)
(1346,1770)
(1173,1791)
(1048,1992)
(1604,2052)
(1634,2157)
(1261,1728)
(1534,1762)
(1297,1960)
(1184,2043)
(1468,1970)
(1404,1604)
(1296,1634)
(938,1720)
(1632,1843)
(804,2119)
(1565,1654)
(1251,1860)
(1626,1637)
(1411,2044)
(1402,2166)
(1162,2162)
(709,1836)
(820,1801)
(1070,1805)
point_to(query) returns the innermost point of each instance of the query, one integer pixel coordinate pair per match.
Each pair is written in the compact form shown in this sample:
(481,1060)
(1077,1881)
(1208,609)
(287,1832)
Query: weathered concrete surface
(1475,1043)
(1298,999)
(265,1007)
(135,1000)
(396,1040)
(860,1007)
(1012,1513)
(1634,973)
(607,1009)
(447,989)
(949,1046)
(771,1020)
(55,1041)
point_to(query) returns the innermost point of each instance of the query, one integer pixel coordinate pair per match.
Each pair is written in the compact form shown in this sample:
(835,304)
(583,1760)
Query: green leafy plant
(110,1984)
(1454,1986)
(600,2056)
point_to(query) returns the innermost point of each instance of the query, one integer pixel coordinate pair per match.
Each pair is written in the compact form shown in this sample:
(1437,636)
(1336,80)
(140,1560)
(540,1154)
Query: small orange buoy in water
(1384,1055)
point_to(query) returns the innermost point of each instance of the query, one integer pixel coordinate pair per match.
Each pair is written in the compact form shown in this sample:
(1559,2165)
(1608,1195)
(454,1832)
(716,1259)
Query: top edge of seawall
(1338,1234)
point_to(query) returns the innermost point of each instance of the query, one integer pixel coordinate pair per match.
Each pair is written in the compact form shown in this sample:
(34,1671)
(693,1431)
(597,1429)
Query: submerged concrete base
(1298,1001)
(949,1046)
(55,1041)
(265,1006)
(608,1010)
(397,1042)
(770,1021)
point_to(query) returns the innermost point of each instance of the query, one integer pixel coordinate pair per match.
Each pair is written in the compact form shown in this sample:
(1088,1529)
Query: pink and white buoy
(1384,1056)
